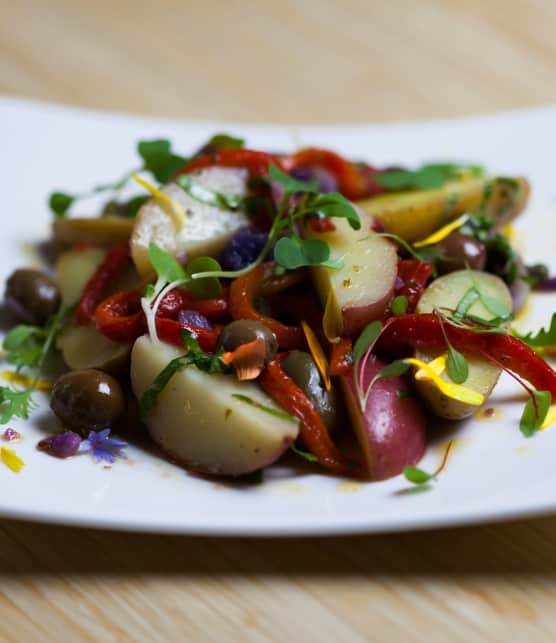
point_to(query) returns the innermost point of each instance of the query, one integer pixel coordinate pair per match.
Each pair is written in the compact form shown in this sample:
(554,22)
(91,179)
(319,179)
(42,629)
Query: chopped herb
(399,305)
(534,413)
(306,455)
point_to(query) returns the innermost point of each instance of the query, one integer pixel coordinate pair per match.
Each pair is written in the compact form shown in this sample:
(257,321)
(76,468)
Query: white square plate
(494,472)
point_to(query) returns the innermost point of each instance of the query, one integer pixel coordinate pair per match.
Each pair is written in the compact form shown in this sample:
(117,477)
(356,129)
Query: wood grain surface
(336,60)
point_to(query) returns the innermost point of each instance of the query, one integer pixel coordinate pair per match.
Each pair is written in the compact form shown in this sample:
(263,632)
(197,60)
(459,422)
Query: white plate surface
(494,472)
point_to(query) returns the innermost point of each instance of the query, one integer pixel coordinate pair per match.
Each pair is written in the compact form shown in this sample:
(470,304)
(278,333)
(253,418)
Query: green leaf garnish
(209,197)
(60,203)
(367,337)
(290,185)
(534,413)
(159,159)
(225,141)
(306,455)
(267,409)
(430,176)
(194,356)
(166,266)
(334,204)
(294,252)
(207,287)
(456,366)
(399,305)
(417,476)
(465,303)
(542,338)
(15,404)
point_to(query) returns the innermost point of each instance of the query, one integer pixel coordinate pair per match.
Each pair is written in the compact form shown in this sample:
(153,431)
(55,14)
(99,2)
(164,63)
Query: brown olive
(87,400)
(304,372)
(243,331)
(460,251)
(32,295)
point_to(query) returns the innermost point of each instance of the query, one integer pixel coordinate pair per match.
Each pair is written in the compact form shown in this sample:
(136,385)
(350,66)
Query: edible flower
(102,447)
(10,435)
(454,391)
(11,460)
(317,354)
(442,233)
(24,380)
(247,359)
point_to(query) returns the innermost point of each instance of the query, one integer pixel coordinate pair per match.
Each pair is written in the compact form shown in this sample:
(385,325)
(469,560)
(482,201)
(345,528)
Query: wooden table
(284,61)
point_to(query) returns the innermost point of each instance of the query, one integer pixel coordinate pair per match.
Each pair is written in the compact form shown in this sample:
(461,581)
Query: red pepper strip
(111,267)
(424,331)
(120,317)
(313,431)
(255,161)
(341,361)
(169,331)
(243,292)
(413,277)
(178,299)
(354,181)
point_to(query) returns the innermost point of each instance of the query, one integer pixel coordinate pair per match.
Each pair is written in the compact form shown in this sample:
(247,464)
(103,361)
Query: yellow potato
(415,214)
(99,230)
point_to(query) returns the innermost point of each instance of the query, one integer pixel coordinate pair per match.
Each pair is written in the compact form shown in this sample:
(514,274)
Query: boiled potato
(99,230)
(82,346)
(414,215)
(207,228)
(198,422)
(446,292)
(363,287)
(73,270)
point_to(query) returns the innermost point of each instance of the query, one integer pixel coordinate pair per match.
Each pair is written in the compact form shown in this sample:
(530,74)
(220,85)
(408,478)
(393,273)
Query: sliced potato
(414,215)
(97,230)
(207,228)
(362,288)
(73,270)
(446,292)
(82,346)
(197,421)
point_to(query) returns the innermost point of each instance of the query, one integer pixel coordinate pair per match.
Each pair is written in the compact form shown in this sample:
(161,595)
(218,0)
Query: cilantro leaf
(417,476)
(456,366)
(60,203)
(167,267)
(542,337)
(534,413)
(399,305)
(290,185)
(14,404)
(159,159)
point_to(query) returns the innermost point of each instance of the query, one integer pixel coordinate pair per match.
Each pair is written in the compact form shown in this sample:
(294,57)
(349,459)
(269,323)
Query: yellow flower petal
(175,208)
(317,353)
(442,233)
(329,320)
(455,391)
(550,418)
(10,459)
(24,380)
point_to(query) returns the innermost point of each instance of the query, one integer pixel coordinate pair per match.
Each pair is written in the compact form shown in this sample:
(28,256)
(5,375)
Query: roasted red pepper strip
(255,161)
(341,361)
(355,181)
(282,389)
(110,268)
(120,317)
(169,331)
(424,331)
(243,292)
(413,277)
(178,299)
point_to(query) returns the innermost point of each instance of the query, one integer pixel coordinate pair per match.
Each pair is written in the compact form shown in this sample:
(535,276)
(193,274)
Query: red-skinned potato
(391,430)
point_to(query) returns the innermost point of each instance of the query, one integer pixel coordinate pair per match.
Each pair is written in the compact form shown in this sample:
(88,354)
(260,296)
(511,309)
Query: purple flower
(194,318)
(10,434)
(102,447)
(61,445)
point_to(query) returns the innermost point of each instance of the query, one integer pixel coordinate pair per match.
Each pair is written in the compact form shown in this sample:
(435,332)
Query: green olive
(460,251)
(87,400)
(32,295)
(243,331)
(304,372)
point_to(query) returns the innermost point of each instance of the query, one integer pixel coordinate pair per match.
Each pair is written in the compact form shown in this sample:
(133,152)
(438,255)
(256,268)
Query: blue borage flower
(102,447)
